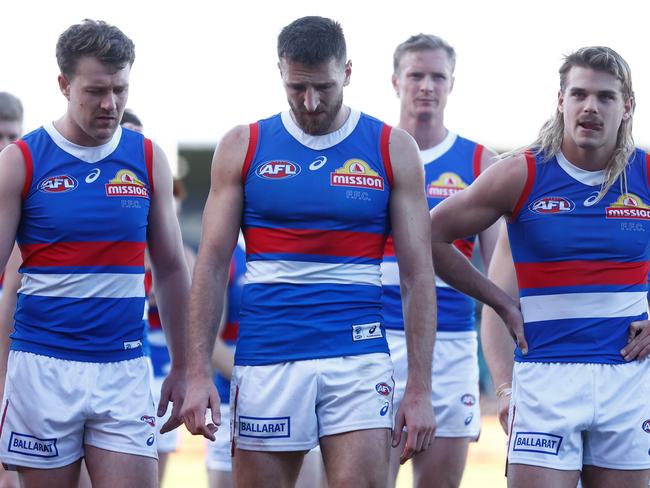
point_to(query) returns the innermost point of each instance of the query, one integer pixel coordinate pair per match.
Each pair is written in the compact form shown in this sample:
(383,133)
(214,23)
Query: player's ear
(64,86)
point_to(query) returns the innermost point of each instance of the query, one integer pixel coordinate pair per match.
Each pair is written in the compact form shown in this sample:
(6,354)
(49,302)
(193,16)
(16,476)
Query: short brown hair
(97,39)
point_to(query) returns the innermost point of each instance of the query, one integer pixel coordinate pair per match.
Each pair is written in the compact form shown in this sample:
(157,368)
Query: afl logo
(468,399)
(58,184)
(551,205)
(277,170)
(646,426)
(383,389)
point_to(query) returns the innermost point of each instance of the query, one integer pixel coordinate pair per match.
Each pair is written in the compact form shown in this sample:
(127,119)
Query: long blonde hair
(549,140)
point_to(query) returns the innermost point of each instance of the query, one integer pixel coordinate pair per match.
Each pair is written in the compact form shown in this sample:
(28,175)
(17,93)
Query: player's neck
(427,133)
(586,158)
(73,133)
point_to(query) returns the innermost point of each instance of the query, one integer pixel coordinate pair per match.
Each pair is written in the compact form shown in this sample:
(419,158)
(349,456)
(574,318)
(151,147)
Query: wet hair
(423,42)
(311,41)
(549,140)
(11,108)
(128,117)
(97,39)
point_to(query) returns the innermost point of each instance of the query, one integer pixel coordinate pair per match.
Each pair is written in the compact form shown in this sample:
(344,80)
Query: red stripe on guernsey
(83,254)
(148,159)
(576,273)
(389,247)
(384,146)
(230,331)
(148,281)
(528,187)
(153,317)
(466,247)
(252,148)
(476,162)
(29,166)
(647,167)
(319,242)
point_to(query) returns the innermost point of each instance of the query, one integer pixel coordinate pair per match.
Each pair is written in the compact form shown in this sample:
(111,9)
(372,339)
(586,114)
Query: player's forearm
(498,347)
(456,270)
(172,295)
(419,299)
(206,307)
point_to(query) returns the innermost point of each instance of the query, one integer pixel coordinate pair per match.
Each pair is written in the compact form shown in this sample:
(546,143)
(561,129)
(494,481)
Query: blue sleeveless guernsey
(582,265)
(82,237)
(448,168)
(229,333)
(315,221)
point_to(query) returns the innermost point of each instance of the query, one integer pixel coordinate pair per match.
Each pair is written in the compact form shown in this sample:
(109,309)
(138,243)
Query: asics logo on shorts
(384,409)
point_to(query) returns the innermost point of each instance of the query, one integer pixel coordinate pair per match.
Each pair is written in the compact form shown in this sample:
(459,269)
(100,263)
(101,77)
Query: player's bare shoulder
(404,154)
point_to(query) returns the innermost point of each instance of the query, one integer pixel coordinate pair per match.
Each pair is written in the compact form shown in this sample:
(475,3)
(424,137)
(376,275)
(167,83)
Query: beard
(320,121)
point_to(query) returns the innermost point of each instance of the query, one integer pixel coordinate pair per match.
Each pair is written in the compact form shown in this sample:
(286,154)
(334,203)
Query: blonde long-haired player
(578,205)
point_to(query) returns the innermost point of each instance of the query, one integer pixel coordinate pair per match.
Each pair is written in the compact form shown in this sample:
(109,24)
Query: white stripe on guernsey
(92,285)
(583,306)
(303,272)
(390,275)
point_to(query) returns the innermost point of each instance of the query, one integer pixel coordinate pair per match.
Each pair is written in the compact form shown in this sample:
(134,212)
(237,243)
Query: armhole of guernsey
(148,160)
(252,149)
(476,161)
(528,187)
(29,167)
(384,147)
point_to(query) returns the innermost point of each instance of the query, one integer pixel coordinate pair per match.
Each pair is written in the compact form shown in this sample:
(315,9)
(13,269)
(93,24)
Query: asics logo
(93,175)
(591,199)
(318,163)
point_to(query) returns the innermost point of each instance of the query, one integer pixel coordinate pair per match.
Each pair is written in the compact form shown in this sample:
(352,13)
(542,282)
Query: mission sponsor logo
(357,173)
(445,186)
(126,184)
(628,206)
(264,427)
(277,170)
(540,442)
(32,446)
(551,205)
(58,184)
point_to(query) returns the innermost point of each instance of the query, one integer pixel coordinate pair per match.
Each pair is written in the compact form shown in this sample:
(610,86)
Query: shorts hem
(353,427)
(619,467)
(12,463)
(273,447)
(219,466)
(473,436)
(542,464)
(125,450)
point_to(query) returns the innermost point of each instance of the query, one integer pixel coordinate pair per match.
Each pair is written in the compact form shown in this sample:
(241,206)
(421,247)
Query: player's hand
(173,390)
(510,313)
(201,396)
(638,341)
(416,413)
(503,396)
